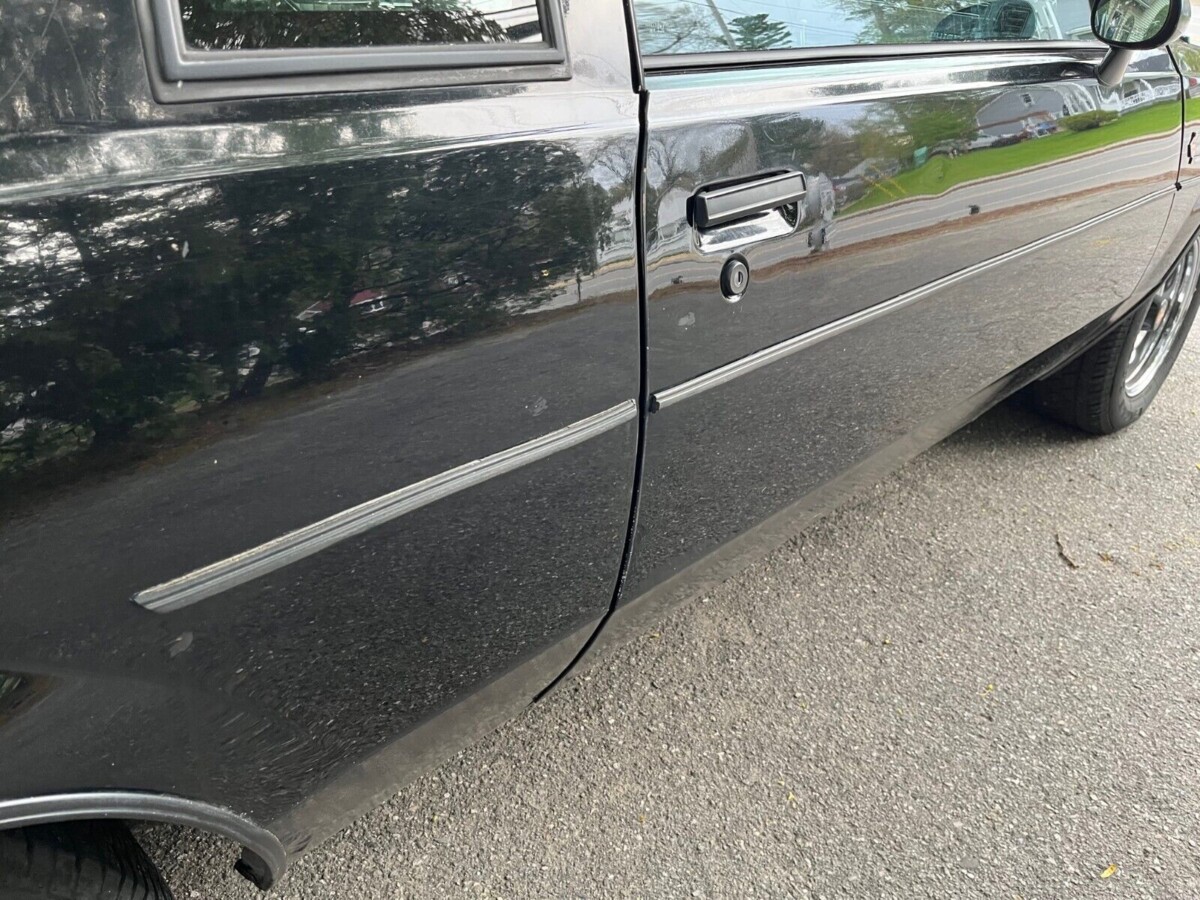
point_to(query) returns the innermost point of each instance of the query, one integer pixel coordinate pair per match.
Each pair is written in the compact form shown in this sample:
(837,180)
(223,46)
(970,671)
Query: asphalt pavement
(979,679)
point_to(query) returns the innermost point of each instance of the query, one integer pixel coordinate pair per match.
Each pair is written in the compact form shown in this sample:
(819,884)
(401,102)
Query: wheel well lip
(150,807)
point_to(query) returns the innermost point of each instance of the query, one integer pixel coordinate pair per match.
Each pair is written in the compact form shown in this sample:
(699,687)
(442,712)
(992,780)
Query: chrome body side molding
(234,570)
(776,352)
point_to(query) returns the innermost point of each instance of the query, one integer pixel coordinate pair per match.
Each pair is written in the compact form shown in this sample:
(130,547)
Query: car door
(907,203)
(1185,212)
(319,357)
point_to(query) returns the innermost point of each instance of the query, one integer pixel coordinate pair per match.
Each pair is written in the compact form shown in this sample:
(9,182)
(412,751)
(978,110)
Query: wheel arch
(263,858)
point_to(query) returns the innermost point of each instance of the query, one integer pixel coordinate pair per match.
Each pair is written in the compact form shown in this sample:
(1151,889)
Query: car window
(696,26)
(307,24)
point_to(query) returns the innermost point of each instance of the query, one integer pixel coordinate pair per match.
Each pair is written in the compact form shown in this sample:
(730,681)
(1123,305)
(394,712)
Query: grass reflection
(940,173)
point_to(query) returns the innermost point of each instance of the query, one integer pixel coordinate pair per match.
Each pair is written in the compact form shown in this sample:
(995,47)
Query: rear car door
(971,196)
(319,357)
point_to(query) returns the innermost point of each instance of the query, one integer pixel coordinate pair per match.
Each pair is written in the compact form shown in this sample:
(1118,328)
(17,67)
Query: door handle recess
(721,205)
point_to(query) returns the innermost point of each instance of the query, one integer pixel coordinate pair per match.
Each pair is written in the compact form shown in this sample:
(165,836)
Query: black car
(366,364)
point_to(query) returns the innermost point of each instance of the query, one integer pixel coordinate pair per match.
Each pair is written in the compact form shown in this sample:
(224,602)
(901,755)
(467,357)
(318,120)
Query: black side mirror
(1129,25)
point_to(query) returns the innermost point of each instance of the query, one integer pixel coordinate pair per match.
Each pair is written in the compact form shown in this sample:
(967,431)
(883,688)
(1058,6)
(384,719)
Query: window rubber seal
(179,73)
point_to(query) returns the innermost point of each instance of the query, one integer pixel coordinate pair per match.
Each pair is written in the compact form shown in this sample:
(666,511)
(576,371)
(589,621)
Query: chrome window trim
(178,62)
(733,59)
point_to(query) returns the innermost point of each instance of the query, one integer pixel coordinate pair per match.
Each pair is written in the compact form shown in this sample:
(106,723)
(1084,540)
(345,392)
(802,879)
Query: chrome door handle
(728,203)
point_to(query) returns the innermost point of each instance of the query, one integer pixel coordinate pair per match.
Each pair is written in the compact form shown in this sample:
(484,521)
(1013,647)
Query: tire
(77,861)
(1109,386)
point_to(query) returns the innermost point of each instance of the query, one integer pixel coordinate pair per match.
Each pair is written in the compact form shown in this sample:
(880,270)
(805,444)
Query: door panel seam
(643,388)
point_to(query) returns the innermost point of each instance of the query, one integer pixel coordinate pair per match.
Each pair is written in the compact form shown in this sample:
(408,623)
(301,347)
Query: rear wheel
(77,861)
(1109,386)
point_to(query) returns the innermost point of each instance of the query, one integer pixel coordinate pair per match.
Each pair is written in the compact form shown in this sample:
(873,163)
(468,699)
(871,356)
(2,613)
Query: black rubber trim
(736,59)
(636,65)
(141,806)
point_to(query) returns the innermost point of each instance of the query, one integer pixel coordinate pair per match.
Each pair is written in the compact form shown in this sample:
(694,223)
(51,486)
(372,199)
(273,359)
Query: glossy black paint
(941,232)
(225,320)
(222,323)
(1185,212)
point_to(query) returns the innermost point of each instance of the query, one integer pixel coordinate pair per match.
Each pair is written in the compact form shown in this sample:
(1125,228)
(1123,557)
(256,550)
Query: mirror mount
(1130,25)
(1111,69)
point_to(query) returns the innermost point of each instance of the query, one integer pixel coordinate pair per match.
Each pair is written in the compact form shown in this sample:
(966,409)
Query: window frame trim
(740,59)
(180,62)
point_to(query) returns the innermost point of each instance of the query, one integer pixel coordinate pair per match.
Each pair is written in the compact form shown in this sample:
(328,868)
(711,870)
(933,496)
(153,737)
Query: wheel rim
(1166,312)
